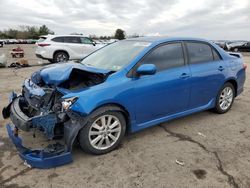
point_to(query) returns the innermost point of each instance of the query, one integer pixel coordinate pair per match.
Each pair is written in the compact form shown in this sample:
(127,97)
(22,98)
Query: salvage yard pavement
(211,150)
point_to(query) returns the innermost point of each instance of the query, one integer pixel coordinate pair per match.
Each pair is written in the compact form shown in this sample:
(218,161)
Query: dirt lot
(215,149)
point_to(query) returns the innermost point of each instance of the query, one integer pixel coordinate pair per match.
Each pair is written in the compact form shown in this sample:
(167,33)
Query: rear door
(74,47)
(167,91)
(207,70)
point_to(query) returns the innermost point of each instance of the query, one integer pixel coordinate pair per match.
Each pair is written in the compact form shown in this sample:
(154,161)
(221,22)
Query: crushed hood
(57,74)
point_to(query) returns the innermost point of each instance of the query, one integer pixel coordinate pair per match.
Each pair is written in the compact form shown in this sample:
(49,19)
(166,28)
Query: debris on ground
(26,164)
(17,52)
(179,162)
(201,134)
(19,64)
(3,60)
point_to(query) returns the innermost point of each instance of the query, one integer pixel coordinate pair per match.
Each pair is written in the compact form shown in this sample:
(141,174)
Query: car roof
(159,39)
(52,36)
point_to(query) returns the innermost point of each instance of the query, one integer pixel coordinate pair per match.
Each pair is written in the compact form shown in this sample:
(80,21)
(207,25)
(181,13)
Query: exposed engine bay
(40,106)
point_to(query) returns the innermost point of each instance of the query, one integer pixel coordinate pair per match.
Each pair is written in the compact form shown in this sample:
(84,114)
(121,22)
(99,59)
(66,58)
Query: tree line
(25,32)
(34,32)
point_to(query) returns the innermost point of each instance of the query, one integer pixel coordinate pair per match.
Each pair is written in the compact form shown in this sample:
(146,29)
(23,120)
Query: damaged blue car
(126,86)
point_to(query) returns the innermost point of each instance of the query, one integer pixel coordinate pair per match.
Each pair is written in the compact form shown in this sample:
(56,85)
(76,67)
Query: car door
(87,46)
(73,46)
(167,91)
(207,73)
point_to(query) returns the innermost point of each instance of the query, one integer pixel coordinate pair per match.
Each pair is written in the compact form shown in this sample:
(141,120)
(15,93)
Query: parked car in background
(31,41)
(126,86)
(61,48)
(1,43)
(12,41)
(222,44)
(239,47)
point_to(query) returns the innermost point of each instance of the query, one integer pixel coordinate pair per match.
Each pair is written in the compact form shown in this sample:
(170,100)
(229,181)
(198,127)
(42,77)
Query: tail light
(244,65)
(43,44)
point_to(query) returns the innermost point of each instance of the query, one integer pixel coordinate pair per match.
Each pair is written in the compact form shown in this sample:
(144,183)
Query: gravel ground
(215,149)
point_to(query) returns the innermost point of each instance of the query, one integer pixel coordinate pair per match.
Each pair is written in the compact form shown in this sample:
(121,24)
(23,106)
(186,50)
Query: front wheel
(103,132)
(225,98)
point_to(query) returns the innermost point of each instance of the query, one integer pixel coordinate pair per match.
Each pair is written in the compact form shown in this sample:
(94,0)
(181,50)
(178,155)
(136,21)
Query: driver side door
(87,46)
(167,91)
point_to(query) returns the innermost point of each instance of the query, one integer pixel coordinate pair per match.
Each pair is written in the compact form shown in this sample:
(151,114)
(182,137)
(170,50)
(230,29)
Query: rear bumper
(52,156)
(44,53)
(41,57)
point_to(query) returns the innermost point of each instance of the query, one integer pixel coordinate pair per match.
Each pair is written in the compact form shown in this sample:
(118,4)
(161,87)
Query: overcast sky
(211,19)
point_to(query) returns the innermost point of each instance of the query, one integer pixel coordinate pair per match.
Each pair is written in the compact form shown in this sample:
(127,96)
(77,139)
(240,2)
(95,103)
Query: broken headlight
(66,103)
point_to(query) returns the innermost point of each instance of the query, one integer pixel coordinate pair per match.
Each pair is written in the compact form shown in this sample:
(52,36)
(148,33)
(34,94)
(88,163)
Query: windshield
(116,55)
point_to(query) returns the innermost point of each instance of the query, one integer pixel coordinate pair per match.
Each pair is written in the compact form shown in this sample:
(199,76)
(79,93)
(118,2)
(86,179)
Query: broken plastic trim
(44,158)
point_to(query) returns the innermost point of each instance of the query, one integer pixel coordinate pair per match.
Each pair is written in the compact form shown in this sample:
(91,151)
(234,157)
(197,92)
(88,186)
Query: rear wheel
(60,57)
(103,133)
(225,98)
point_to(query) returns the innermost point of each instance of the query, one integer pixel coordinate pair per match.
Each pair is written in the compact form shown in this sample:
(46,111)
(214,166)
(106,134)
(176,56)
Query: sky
(210,19)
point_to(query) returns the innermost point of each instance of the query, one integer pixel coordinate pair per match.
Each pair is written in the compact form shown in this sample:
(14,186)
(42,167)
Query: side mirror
(146,69)
(93,43)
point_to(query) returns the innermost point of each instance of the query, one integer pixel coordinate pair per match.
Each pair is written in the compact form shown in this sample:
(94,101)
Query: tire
(60,57)
(97,143)
(224,99)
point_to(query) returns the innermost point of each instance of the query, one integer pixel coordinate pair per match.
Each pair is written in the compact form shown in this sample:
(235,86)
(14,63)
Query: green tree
(119,34)
(12,33)
(44,30)
(33,32)
(25,32)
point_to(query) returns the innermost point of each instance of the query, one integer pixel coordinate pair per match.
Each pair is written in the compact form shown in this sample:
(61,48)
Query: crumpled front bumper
(42,158)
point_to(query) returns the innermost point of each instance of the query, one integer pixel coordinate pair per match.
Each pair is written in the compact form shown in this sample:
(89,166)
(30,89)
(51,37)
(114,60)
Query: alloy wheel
(226,98)
(61,57)
(104,132)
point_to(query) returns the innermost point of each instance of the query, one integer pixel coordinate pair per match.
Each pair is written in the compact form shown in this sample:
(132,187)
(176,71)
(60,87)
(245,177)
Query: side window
(72,40)
(216,55)
(58,39)
(166,56)
(85,40)
(199,52)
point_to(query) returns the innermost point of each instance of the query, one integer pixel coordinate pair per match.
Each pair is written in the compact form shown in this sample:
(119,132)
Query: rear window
(216,55)
(199,52)
(41,39)
(58,39)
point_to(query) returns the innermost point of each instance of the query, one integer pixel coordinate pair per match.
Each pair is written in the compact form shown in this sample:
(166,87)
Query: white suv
(60,48)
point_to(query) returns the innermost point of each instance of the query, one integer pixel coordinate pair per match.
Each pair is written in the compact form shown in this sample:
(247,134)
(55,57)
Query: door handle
(221,68)
(184,75)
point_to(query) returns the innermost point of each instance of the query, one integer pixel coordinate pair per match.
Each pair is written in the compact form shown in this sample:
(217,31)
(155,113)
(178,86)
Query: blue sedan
(126,86)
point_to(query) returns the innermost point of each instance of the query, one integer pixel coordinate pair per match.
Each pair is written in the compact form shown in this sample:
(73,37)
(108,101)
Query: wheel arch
(56,51)
(115,107)
(234,83)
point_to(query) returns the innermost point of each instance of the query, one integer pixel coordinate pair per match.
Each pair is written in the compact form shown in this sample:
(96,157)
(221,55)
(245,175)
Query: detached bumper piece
(49,157)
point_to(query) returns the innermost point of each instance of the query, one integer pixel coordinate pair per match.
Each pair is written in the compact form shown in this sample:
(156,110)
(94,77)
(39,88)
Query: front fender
(91,99)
